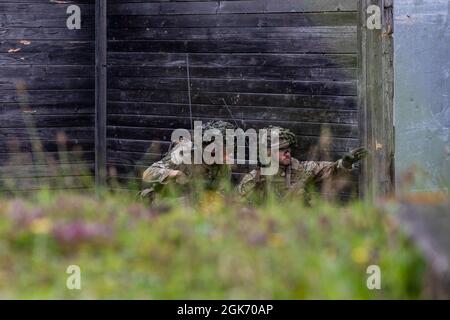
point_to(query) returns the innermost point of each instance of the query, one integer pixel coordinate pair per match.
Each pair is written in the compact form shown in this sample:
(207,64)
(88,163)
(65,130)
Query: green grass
(216,248)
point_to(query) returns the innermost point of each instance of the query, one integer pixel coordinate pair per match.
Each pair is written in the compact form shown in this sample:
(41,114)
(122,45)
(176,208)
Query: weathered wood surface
(290,63)
(46,95)
(101,86)
(375,97)
(293,63)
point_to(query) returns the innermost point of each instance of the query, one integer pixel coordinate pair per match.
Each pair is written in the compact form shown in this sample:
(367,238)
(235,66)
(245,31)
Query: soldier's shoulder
(296,164)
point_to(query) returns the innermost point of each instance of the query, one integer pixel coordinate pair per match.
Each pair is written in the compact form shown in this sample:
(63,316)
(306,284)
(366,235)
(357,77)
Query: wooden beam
(375,96)
(100,92)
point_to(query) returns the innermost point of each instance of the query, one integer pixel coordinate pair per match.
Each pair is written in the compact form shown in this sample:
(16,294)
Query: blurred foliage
(215,248)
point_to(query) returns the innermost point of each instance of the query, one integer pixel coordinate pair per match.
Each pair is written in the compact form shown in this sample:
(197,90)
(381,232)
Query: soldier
(294,177)
(190,178)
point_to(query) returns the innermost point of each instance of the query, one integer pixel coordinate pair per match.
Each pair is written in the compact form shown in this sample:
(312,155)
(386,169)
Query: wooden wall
(46,95)
(291,63)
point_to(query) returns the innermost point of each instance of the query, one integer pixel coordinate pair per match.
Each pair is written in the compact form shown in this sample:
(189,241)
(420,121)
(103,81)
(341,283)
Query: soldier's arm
(161,172)
(171,167)
(247,184)
(320,170)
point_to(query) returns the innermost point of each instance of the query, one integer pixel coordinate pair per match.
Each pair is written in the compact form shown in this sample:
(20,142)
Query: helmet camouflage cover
(286,137)
(220,125)
(216,127)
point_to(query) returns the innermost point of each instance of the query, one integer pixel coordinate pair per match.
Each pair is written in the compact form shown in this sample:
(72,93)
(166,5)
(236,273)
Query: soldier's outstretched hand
(354,156)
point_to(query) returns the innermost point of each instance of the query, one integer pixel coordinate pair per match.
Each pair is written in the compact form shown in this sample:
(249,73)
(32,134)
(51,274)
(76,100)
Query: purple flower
(78,232)
(23,216)
(139,211)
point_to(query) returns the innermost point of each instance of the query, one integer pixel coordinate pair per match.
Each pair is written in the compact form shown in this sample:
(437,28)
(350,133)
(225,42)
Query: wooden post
(100,92)
(375,96)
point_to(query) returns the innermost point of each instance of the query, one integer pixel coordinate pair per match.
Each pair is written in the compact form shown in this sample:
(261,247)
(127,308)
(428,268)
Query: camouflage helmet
(286,137)
(220,125)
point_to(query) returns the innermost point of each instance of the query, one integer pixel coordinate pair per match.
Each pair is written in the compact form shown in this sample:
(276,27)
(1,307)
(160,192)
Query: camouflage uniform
(303,174)
(295,179)
(195,177)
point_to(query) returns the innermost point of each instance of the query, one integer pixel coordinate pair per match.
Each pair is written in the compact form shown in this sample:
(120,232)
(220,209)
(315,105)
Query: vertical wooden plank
(388,92)
(100,92)
(362,103)
(376,99)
